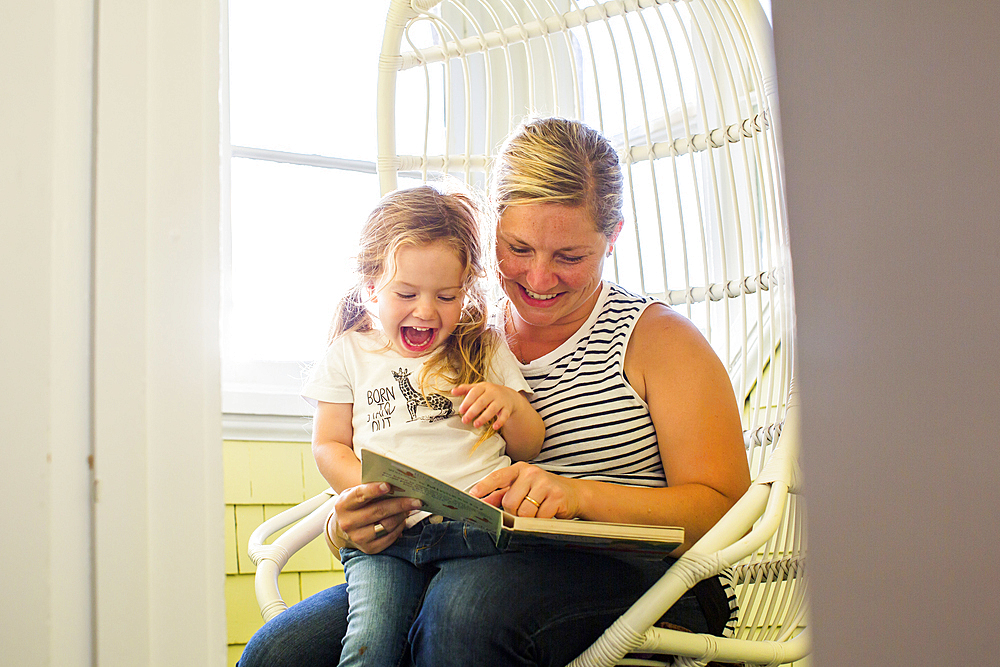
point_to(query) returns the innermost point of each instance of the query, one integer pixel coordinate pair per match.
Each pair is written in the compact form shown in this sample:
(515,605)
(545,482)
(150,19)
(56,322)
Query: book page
(597,529)
(438,497)
(519,533)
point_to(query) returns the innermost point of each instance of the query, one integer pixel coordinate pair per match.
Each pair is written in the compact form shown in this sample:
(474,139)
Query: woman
(641,427)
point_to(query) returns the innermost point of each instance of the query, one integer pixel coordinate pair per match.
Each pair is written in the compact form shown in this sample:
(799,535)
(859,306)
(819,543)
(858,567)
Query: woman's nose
(540,276)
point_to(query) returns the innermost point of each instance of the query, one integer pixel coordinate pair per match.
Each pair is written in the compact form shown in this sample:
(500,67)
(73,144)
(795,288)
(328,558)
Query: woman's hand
(527,490)
(363,518)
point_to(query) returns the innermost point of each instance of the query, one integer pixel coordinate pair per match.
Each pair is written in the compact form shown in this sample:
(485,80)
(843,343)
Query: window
(302,78)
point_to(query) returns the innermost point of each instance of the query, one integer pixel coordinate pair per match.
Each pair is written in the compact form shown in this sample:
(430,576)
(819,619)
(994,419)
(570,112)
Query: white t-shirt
(392,417)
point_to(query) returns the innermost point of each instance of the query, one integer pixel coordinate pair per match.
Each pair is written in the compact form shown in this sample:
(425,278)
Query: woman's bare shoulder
(666,344)
(660,325)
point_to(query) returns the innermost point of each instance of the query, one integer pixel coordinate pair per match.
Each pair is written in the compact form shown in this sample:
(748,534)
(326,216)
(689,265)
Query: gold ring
(533,501)
(379,530)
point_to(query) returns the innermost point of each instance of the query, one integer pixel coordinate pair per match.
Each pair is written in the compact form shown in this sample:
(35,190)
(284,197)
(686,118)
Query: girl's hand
(364,519)
(484,401)
(527,490)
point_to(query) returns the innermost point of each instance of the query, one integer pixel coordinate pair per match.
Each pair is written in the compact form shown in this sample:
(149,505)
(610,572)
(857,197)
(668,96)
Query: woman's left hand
(527,490)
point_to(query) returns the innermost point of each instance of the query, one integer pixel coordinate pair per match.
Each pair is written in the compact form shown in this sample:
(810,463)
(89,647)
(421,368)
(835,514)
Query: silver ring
(533,501)
(379,530)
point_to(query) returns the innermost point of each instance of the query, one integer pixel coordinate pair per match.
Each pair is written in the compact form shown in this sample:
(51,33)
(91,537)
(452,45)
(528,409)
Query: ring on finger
(379,530)
(533,501)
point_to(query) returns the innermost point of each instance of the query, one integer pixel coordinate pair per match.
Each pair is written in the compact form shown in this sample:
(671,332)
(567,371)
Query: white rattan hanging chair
(685,90)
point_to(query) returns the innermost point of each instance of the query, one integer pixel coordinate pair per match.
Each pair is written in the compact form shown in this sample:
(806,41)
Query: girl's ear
(370,291)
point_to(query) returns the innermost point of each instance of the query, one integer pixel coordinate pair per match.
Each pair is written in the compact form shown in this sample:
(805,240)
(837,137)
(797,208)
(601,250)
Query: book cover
(518,533)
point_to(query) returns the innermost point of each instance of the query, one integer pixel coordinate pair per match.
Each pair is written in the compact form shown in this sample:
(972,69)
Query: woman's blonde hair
(556,160)
(421,216)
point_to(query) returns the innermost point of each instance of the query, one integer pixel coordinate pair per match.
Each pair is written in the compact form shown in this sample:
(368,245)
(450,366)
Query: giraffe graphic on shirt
(414,398)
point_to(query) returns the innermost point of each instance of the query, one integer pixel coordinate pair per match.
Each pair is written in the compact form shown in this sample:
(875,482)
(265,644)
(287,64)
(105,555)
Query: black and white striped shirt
(596,426)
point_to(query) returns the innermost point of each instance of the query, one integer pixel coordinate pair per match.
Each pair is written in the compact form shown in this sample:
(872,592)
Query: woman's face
(551,258)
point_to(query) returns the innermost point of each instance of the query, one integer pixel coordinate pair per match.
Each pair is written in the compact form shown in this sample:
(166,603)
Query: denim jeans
(537,608)
(309,634)
(385,589)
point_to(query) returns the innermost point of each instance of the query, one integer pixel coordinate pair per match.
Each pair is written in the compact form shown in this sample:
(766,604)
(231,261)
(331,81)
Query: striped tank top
(596,426)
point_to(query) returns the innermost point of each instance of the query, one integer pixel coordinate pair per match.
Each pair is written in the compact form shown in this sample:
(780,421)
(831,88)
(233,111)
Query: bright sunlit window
(302,79)
(301,96)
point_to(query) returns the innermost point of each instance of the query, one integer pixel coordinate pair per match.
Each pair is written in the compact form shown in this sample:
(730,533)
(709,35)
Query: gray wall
(891,136)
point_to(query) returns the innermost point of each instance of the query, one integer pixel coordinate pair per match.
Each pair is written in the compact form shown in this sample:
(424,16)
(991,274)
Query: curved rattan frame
(685,89)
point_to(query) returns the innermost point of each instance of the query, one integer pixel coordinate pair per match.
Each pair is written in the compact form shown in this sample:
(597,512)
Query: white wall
(109,362)
(891,152)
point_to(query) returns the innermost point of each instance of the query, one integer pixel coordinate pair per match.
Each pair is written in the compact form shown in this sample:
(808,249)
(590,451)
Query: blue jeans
(538,608)
(385,589)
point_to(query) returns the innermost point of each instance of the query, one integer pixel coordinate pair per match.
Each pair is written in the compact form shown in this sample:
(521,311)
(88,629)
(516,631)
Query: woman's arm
(696,416)
(674,369)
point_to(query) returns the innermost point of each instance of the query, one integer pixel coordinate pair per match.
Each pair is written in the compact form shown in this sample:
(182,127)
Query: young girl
(413,371)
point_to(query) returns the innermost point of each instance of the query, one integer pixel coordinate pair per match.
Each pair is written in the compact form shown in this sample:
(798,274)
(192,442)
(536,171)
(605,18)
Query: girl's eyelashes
(447,298)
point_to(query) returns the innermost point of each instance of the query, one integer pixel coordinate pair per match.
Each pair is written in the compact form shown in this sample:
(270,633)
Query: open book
(518,533)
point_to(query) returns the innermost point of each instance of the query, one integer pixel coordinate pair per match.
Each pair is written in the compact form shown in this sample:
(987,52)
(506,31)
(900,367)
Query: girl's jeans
(385,589)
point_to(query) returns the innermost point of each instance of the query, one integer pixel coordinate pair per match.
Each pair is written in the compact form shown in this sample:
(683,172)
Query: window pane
(303,73)
(294,234)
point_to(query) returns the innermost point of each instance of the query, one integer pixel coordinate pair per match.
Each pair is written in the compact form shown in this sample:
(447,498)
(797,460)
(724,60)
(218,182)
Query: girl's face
(551,258)
(420,298)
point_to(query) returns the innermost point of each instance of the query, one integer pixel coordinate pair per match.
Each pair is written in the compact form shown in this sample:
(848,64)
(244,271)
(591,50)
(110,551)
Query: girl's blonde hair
(421,216)
(556,160)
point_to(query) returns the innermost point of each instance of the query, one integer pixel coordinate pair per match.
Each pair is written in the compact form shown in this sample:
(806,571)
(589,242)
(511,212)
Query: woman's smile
(551,258)
(539,297)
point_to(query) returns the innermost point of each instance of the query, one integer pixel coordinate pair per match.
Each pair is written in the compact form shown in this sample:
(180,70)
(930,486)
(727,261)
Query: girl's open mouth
(417,339)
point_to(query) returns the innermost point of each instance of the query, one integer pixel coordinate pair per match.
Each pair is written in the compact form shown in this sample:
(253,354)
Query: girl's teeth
(417,336)
(540,297)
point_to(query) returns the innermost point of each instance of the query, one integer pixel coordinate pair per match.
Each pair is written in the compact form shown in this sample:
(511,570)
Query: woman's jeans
(532,608)
(385,589)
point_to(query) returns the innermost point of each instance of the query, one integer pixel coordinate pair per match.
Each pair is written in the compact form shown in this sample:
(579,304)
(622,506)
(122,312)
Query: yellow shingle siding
(261,480)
